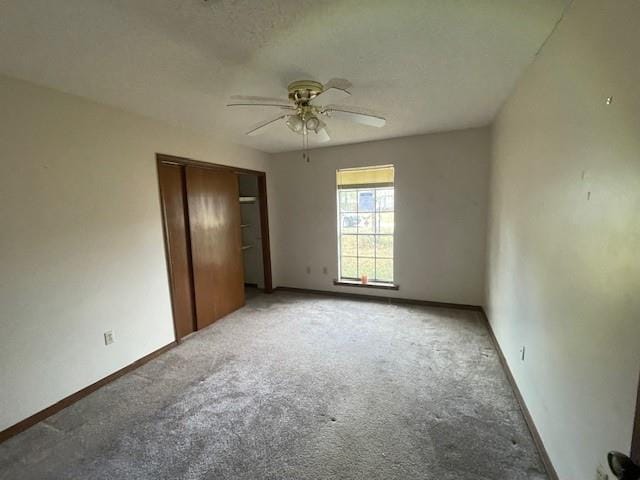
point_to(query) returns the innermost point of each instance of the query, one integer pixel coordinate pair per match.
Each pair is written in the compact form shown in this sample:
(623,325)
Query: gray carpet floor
(298,386)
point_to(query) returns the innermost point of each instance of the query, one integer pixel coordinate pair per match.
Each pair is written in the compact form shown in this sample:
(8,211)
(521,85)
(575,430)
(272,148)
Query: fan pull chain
(305,145)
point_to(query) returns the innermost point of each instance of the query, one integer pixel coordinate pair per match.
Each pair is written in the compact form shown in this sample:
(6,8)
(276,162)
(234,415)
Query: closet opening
(250,227)
(216,232)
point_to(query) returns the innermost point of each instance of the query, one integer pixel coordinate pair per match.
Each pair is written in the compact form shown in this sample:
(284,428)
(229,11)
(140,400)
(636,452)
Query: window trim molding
(355,186)
(375,285)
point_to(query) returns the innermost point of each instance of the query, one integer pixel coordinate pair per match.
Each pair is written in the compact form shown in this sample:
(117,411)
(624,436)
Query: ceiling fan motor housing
(303,91)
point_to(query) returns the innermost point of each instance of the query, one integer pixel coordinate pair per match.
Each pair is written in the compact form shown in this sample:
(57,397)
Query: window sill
(355,283)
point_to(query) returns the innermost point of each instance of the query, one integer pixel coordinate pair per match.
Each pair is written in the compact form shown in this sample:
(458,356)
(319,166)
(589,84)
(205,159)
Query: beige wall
(564,270)
(81,247)
(441,190)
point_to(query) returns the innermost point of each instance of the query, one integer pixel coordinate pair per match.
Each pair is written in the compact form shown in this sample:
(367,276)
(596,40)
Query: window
(365,224)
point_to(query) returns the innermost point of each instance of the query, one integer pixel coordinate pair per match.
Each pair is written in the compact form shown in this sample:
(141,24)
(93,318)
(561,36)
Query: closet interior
(251,229)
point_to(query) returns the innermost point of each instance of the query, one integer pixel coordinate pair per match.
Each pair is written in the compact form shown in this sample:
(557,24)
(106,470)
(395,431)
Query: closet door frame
(263,205)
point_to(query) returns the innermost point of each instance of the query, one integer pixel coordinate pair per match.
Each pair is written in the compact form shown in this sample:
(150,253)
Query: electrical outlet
(522,352)
(601,473)
(325,270)
(308,270)
(109,338)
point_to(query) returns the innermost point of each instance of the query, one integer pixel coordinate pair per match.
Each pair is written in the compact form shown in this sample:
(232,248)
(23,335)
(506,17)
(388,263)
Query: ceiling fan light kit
(304,103)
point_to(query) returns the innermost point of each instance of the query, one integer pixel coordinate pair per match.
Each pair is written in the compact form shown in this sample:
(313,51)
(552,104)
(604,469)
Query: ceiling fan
(307,104)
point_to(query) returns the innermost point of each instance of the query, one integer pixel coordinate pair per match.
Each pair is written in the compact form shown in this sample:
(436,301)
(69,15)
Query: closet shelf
(248,199)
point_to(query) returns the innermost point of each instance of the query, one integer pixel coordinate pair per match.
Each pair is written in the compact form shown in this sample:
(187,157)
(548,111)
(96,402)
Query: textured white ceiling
(427,65)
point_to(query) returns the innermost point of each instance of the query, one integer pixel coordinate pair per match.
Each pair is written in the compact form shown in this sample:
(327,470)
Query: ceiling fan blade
(322,136)
(266,104)
(258,99)
(341,83)
(261,127)
(345,113)
(330,95)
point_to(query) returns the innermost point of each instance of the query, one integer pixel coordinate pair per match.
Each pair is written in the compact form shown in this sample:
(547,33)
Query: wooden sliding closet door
(214,221)
(174,204)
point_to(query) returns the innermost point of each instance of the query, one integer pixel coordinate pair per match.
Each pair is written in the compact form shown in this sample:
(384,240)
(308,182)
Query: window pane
(384,270)
(366,223)
(348,267)
(366,201)
(366,266)
(349,245)
(385,222)
(384,200)
(348,201)
(384,246)
(349,223)
(366,245)
(366,233)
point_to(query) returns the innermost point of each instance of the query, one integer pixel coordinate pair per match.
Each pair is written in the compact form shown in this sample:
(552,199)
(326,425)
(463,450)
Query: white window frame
(376,233)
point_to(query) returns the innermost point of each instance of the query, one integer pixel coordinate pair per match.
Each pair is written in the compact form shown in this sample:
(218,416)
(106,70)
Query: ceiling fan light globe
(295,123)
(312,123)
